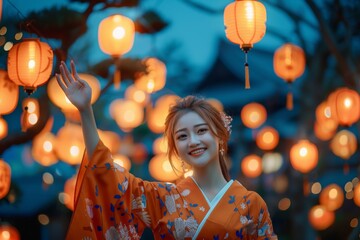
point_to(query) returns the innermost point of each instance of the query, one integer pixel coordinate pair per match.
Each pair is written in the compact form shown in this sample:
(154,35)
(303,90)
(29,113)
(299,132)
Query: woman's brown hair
(207,112)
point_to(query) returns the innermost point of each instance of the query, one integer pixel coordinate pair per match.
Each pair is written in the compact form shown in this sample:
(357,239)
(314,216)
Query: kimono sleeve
(110,203)
(264,224)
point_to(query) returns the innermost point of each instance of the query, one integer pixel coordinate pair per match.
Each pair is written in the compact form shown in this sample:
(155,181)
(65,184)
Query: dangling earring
(222,150)
(183,166)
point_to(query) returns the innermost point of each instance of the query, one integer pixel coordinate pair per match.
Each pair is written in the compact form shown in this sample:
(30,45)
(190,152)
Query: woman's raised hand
(77,90)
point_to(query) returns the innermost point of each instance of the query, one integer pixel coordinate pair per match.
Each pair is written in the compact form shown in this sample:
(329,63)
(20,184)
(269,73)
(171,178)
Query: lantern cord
(247,73)
(117,78)
(289,98)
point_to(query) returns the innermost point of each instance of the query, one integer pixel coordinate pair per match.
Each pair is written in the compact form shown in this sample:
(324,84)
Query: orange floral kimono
(110,203)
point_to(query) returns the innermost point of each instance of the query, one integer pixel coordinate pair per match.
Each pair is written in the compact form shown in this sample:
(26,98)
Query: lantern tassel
(24,119)
(306,186)
(289,98)
(289,101)
(117,78)
(247,76)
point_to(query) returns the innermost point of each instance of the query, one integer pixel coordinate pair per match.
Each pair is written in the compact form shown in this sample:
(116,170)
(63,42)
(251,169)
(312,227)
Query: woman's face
(194,141)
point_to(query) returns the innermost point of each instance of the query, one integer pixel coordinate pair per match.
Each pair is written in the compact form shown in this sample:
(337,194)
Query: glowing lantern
(160,145)
(357,195)
(127,114)
(122,160)
(116,37)
(344,106)
(30,114)
(69,190)
(58,97)
(253,115)
(30,64)
(244,22)
(322,132)
(9,94)
(156,116)
(155,77)
(160,169)
(5,178)
(43,149)
(320,218)
(111,140)
(332,197)
(70,144)
(344,144)
(1,4)
(323,116)
(251,166)
(137,95)
(3,128)
(267,138)
(289,64)
(9,232)
(216,104)
(304,156)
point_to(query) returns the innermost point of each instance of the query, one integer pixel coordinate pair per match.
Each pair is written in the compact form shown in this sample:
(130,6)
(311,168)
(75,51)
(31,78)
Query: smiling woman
(111,203)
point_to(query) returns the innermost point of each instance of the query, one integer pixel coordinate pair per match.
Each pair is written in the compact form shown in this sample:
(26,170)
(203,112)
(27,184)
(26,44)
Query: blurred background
(295,130)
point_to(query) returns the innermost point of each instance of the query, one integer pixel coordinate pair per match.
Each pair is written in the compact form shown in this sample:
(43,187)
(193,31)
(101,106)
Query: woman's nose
(193,140)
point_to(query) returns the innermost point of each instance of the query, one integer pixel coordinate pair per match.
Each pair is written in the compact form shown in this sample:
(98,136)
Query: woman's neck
(209,177)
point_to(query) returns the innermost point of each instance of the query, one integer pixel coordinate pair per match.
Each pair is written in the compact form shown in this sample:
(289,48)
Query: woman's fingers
(60,82)
(67,73)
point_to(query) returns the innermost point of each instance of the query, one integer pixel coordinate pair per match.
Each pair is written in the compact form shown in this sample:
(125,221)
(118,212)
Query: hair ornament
(226,121)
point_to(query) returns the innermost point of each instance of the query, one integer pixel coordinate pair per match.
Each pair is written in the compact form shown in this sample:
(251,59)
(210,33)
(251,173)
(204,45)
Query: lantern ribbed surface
(30,63)
(245,22)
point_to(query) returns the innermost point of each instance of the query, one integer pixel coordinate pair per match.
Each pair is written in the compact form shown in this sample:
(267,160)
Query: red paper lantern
(9,232)
(253,115)
(267,138)
(251,166)
(332,197)
(9,94)
(30,63)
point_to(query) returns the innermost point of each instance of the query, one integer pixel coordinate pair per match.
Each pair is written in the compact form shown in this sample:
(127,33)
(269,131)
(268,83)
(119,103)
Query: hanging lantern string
(30,26)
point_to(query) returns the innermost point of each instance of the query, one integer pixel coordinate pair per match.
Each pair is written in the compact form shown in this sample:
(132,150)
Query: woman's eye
(181,137)
(202,130)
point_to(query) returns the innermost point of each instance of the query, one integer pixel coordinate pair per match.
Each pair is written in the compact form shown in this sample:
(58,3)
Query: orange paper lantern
(332,197)
(43,149)
(9,232)
(344,144)
(9,94)
(58,97)
(5,178)
(127,114)
(30,63)
(116,37)
(160,168)
(70,144)
(69,190)
(155,77)
(344,106)
(3,128)
(289,64)
(244,22)
(31,113)
(122,160)
(320,218)
(253,115)
(304,156)
(357,195)
(251,166)
(267,138)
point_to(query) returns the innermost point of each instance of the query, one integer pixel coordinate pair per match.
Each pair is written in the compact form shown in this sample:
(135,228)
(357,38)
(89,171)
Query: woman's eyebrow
(195,126)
